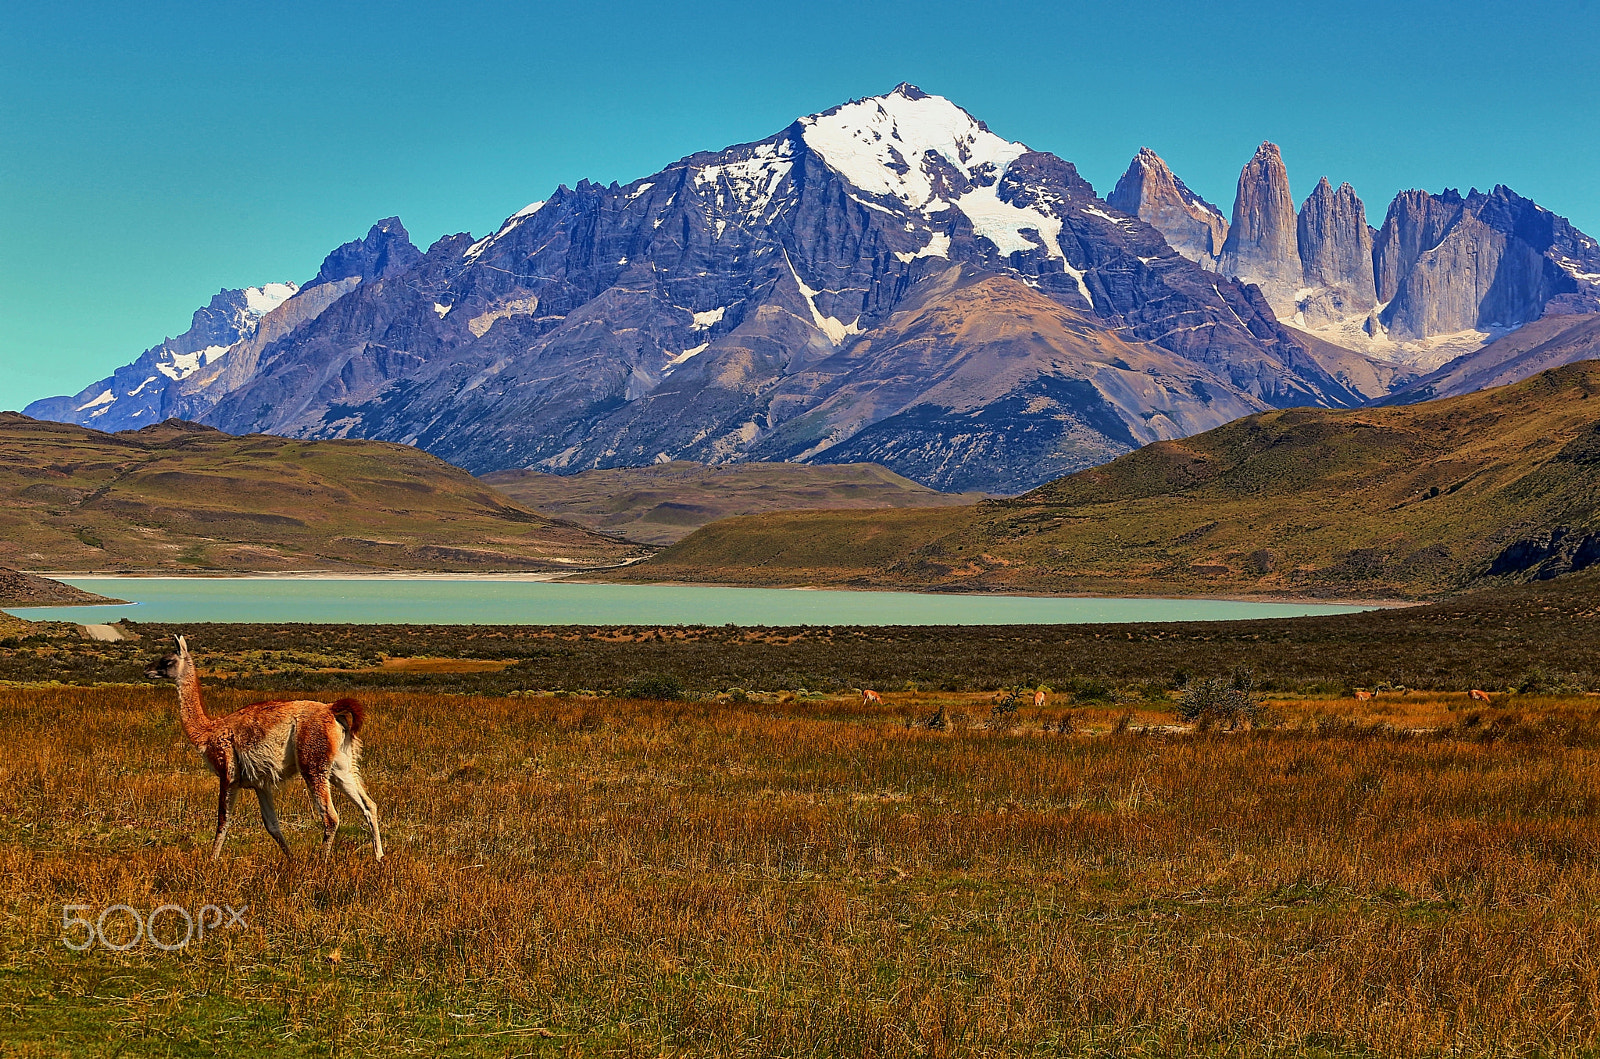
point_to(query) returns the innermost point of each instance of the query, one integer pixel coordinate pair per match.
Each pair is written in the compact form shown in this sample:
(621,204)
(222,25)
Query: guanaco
(265,743)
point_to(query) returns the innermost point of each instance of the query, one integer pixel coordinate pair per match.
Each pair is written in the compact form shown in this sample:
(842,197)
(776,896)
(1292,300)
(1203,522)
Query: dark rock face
(386,251)
(1560,551)
(753,303)
(1262,245)
(1492,260)
(1335,255)
(1150,191)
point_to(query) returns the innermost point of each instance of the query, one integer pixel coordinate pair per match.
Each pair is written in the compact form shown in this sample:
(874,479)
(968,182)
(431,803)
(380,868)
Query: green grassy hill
(1411,501)
(185,498)
(668,501)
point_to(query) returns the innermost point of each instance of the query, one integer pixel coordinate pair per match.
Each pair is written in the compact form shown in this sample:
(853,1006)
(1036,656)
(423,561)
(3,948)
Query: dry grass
(573,875)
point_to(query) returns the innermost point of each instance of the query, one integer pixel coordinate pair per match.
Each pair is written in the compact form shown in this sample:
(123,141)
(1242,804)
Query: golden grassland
(581,875)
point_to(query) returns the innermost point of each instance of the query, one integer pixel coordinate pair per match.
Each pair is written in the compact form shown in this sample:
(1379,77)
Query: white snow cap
(883,145)
(259,301)
(511,222)
(895,146)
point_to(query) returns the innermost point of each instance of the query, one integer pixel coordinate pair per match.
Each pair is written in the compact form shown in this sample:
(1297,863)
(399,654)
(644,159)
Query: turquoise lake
(510,602)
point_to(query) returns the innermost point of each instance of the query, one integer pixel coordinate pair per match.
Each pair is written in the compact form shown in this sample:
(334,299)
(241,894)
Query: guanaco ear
(183,646)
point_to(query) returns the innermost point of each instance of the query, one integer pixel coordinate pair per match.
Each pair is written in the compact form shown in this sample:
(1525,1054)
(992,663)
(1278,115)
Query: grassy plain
(588,875)
(755,869)
(187,499)
(1415,502)
(666,502)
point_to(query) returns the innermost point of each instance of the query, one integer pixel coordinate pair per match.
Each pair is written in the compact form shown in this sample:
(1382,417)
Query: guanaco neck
(191,712)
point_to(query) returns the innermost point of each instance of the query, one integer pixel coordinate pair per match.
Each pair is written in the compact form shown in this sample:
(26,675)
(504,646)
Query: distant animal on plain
(868,697)
(1363,696)
(1479,695)
(262,744)
(1040,697)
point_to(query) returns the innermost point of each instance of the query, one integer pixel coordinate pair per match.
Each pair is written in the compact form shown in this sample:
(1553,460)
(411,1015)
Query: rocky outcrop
(1484,261)
(1262,245)
(1335,255)
(385,251)
(1151,192)
(1561,550)
(1488,261)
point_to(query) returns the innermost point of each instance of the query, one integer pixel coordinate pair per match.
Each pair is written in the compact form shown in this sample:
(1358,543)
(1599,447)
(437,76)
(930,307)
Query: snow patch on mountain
(182,365)
(259,301)
(704,321)
(105,398)
(511,222)
(749,184)
(836,330)
(938,246)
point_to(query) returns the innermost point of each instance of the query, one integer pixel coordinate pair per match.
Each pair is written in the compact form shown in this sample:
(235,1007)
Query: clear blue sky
(153,153)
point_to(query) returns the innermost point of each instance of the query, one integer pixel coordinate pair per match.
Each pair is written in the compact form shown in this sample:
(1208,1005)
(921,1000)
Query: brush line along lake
(434,601)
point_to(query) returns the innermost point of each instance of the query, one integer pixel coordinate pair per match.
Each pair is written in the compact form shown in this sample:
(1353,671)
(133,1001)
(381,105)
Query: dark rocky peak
(1416,223)
(386,250)
(1335,254)
(1262,246)
(1151,191)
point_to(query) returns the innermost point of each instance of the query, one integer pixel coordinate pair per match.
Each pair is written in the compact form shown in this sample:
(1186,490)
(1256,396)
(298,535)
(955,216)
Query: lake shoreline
(577,578)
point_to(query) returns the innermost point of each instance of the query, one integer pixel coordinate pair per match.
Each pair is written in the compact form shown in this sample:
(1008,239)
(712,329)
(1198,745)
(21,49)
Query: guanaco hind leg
(348,780)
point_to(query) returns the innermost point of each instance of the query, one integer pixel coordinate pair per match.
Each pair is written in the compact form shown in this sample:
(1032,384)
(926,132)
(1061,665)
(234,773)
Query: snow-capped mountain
(186,376)
(888,280)
(139,394)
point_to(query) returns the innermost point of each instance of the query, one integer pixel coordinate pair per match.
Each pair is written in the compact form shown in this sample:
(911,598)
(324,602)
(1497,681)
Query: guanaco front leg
(227,795)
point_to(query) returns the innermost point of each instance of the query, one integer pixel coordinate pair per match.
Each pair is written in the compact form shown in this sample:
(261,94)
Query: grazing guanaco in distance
(1479,695)
(1362,696)
(265,743)
(868,697)
(1041,696)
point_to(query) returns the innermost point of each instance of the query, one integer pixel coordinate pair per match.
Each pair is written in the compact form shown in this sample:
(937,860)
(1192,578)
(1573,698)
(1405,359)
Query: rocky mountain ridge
(1444,275)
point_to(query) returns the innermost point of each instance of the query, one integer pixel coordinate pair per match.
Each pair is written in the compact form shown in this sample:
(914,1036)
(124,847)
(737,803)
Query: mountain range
(888,281)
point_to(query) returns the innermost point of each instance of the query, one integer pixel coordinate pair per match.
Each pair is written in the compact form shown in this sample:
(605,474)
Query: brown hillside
(668,501)
(1412,501)
(181,497)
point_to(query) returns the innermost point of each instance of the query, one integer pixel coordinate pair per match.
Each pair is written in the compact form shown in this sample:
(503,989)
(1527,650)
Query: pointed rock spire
(1335,255)
(1262,246)
(1150,191)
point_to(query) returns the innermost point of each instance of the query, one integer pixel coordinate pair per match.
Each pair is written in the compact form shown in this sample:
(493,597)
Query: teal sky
(155,153)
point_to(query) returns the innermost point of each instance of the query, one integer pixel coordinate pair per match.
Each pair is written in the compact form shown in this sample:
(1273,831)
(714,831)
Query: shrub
(1541,680)
(1226,700)
(654,686)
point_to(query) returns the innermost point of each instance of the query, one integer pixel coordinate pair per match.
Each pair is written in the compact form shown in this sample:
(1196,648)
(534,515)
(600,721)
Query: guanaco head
(167,668)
